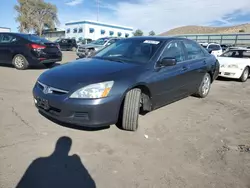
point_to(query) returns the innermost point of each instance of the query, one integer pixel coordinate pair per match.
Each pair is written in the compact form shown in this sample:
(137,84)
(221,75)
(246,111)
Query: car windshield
(232,53)
(214,47)
(100,41)
(130,50)
(36,39)
(57,40)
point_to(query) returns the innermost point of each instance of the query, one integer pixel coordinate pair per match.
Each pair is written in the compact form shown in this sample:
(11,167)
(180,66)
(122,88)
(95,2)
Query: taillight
(37,46)
(58,46)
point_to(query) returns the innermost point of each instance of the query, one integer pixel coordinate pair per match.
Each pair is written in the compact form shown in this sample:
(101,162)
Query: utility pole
(97,4)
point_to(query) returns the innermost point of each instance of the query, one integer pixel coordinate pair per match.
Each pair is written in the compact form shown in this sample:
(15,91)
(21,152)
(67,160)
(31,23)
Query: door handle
(204,62)
(184,68)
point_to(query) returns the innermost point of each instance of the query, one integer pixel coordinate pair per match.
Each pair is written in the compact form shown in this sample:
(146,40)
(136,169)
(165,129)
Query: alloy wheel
(19,62)
(245,74)
(206,85)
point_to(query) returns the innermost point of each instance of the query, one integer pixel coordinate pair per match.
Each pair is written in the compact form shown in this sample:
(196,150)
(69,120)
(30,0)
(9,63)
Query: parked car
(138,74)
(84,41)
(23,50)
(235,63)
(215,48)
(67,44)
(90,49)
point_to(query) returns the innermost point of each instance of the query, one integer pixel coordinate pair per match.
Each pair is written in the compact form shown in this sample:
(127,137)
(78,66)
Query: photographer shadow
(57,170)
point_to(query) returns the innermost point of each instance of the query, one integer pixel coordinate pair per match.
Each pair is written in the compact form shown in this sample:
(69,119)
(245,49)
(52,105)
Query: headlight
(233,66)
(93,91)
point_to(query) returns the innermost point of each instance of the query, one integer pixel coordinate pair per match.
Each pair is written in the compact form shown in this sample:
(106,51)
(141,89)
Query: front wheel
(204,87)
(20,62)
(131,109)
(244,75)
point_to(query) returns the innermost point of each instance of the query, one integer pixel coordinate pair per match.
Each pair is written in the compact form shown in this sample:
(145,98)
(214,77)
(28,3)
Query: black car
(133,75)
(67,44)
(22,50)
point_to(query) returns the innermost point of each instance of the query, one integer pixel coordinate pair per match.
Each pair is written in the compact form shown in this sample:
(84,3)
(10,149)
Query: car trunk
(51,50)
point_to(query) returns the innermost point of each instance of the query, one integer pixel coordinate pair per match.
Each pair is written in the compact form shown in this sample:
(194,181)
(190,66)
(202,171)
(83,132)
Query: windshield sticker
(151,42)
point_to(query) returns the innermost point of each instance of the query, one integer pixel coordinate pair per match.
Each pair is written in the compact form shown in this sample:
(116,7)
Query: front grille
(50,90)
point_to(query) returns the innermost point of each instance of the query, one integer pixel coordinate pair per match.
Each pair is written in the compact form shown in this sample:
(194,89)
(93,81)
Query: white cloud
(162,15)
(74,2)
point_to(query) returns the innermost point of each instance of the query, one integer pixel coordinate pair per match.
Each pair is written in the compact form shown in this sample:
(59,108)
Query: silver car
(88,50)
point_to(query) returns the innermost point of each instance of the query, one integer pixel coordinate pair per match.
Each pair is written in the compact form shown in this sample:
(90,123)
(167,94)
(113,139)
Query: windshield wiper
(111,59)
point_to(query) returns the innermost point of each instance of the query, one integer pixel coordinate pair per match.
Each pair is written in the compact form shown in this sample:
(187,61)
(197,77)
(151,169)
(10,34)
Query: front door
(169,83)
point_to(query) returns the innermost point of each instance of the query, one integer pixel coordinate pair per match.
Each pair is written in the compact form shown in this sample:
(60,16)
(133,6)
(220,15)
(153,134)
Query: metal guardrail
(235,39)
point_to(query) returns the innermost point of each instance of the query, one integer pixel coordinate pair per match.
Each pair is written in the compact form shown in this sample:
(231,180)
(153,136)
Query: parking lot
(190,143)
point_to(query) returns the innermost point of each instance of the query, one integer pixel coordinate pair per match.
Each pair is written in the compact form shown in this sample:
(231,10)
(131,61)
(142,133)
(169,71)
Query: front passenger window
(194,50)
(174,50)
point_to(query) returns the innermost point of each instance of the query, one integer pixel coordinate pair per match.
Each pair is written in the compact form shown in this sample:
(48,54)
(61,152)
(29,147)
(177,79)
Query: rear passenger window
(194,51)
(174,50)
(6,39)
(246,54)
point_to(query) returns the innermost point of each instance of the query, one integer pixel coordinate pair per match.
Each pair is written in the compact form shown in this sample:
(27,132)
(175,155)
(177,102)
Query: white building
(5,29)
(94,30)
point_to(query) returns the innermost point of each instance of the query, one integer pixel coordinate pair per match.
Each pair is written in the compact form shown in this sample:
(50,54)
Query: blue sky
(157,15)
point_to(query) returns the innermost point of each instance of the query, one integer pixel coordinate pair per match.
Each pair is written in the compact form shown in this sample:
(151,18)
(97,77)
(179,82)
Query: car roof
(158,38)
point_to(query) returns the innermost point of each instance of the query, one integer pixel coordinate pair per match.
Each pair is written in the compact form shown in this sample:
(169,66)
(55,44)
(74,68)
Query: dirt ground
(194,143)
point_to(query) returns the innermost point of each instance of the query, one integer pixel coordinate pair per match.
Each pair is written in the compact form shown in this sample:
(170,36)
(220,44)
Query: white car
(216,49)
(235,64)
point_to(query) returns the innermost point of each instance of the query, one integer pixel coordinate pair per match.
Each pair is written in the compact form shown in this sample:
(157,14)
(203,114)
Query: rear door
(170,82)
(8,45)
(196,65)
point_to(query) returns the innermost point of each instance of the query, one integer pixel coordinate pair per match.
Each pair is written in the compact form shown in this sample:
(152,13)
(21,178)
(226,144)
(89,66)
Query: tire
(73,49)
(49,65)
(131,110)
(204,87)
(244,75)
(20,62)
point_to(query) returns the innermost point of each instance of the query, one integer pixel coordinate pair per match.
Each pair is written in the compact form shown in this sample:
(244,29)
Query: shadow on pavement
(68,125)
(57,170)
(37,67)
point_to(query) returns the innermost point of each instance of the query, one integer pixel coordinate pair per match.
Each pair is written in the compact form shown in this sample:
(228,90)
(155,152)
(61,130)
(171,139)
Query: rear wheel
(20,62)
(244,75)
(131,109)
(204,87)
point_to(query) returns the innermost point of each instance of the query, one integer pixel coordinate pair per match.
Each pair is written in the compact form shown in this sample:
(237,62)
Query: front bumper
(230,73)
(80,112)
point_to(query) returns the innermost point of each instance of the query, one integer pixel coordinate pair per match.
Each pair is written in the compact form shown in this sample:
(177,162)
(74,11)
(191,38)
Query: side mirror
(209,50)
(167,62)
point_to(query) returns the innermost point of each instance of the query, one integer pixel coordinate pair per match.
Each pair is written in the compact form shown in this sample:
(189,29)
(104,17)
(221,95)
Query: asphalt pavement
(191,143)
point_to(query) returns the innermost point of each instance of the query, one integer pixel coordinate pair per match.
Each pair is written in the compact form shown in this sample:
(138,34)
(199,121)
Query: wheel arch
(146,95)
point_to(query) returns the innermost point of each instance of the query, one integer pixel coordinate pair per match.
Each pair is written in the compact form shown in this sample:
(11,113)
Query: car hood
(83,72)
(91,46)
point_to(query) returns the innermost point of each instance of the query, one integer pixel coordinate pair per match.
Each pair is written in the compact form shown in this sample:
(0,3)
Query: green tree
(151,33)
(36,15)
(241,30)
(138,32)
